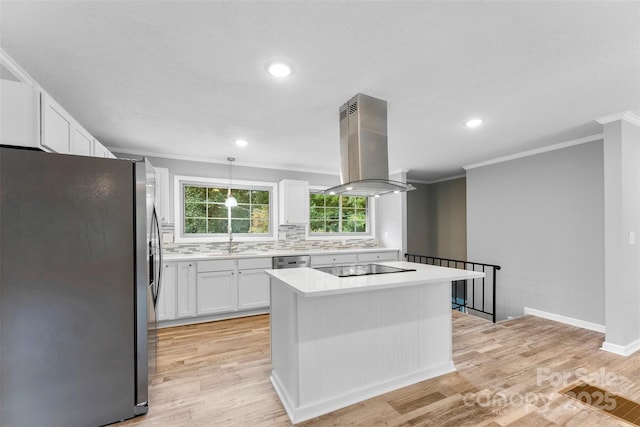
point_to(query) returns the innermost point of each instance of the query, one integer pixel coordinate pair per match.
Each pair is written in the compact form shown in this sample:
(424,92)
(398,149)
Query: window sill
(224,239)
(340,237)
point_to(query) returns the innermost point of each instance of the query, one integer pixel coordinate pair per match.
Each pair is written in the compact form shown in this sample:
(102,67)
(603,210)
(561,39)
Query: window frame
(180,181)
(371,223)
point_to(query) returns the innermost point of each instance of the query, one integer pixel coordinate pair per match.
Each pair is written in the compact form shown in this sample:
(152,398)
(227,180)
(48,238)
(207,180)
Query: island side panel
(358,345)
(284,343)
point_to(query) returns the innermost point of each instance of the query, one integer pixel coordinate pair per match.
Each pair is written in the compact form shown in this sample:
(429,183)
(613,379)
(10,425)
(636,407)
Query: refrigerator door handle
(156,295)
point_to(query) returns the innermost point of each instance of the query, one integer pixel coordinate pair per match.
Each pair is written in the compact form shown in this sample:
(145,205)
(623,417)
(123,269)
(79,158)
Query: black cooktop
(361,270)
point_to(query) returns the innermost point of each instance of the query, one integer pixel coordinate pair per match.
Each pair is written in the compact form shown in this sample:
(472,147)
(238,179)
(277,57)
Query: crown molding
(541,150)
(623,115)
(214,161)
(435,181)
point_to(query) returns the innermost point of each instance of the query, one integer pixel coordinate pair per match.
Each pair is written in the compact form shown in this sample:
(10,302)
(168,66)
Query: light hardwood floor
(217,374)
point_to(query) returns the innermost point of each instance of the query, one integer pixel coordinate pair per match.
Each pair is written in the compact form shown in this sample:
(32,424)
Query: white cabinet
(100,150)
(293,202)
(253,283)
(166,306)
(163,204)
(333,259)
(186,290)
(20,114)
(82,142)
(369,257)
(217,292)
(30,117)
(57,126)
(253,289)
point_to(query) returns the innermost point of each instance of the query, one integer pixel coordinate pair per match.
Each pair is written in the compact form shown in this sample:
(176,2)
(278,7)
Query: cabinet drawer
(249,263)
(334,259)
(216,265)
(378,256)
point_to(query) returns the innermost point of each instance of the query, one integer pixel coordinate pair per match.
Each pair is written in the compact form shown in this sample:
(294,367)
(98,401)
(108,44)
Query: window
(344,215)
(203,215)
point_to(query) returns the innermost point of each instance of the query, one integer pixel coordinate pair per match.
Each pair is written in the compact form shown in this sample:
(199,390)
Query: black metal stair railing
(465,296)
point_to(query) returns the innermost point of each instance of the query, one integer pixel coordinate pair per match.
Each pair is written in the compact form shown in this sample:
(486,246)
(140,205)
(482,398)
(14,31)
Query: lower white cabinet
(166,305)
(186,290)
(333,259)
(217,292)
(367,257)
(253,289)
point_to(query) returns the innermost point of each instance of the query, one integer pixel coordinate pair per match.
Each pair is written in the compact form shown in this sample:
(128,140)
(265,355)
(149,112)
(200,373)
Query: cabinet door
(217,292)
(368,257)
(82,142)
(20,107)
(294,202)
(186,289)
(333,259)
(57,126)
(253,289)
(167,297)
(162,195)
(100,150)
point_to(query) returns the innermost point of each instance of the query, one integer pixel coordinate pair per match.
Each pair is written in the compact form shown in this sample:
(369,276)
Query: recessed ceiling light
(332,192)
(241,142)
(473,123)
(349,188)
(279,69)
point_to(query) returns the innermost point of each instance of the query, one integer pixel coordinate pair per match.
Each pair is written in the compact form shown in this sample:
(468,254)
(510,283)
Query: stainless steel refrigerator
(79,278)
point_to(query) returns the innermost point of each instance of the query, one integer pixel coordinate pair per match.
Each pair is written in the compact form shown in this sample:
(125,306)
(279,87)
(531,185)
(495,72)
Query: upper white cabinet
(19,114)
(100,150)
(30,117)
(57,126)
(294,202)
(163,204)
(82,143)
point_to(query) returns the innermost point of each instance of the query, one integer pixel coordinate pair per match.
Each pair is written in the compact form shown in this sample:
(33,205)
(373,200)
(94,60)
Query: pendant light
(230,201)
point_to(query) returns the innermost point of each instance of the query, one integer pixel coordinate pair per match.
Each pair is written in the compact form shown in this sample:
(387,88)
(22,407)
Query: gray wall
(448,219)
(437,219)
(542,219)
(418,220)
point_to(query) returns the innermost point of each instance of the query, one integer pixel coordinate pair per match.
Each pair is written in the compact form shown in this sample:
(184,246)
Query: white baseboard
(211,318)
(622,350)
(566,320)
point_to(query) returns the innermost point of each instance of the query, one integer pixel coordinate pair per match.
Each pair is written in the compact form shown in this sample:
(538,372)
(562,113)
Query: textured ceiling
(183,78)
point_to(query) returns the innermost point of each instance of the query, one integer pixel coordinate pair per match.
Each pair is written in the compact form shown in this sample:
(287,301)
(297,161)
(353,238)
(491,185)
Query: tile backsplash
(290,237)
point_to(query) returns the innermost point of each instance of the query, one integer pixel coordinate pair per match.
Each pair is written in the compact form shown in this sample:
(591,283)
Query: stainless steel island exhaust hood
(364,163)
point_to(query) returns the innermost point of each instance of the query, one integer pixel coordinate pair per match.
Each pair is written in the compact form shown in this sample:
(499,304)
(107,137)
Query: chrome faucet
(230,239)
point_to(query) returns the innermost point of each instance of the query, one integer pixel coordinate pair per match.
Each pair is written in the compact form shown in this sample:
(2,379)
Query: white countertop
(268,254)
(311,283)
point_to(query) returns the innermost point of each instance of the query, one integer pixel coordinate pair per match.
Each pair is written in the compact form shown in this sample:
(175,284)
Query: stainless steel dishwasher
(291,261)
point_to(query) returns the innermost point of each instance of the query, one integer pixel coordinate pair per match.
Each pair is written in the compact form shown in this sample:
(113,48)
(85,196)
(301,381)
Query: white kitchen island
(337,341)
